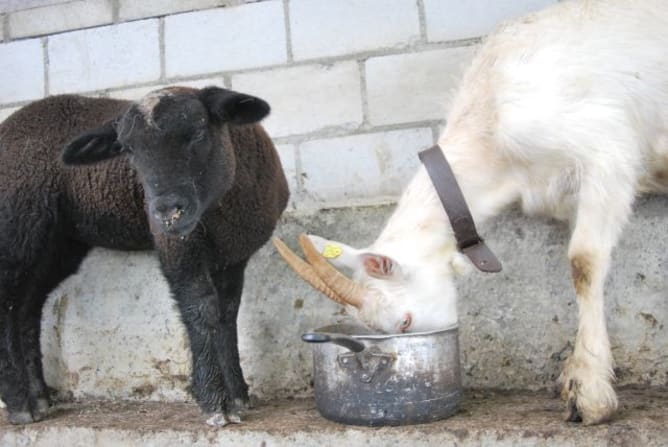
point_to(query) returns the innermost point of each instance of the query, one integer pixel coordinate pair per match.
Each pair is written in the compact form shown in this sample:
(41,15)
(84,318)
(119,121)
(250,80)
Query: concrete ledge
(111,331)
(486,418)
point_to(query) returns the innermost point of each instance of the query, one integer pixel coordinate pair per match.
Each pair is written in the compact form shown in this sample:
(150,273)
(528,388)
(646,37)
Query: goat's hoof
(220,419)
(589,400)
(571,414)
(21,418)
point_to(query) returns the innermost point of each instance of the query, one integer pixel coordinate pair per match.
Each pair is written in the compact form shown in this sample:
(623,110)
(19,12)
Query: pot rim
(329,329)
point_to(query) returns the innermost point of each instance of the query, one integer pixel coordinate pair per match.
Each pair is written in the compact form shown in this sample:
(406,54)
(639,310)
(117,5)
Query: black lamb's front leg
(229,282)
(197,299)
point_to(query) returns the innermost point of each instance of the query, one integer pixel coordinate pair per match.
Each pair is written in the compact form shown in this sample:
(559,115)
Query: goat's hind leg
(587,375)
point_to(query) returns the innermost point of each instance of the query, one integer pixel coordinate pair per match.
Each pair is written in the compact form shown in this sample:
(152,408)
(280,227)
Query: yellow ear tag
(332,251)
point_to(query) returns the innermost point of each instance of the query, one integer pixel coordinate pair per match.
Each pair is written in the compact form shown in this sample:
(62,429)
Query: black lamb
(184,171)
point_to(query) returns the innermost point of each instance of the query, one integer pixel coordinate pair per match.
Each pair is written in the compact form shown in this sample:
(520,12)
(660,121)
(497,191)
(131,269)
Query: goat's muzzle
(320,274)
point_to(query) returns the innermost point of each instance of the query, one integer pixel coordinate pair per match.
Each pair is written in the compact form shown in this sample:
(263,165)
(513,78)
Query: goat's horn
(344,287)
(305,271)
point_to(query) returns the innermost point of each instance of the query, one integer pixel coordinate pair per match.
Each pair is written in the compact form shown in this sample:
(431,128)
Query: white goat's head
(414,295)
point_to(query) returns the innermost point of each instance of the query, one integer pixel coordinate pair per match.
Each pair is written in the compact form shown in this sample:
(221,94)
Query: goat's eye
(406,322)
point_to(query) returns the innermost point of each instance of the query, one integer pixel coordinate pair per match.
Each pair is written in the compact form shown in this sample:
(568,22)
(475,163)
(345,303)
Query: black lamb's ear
(227,106)
(92,146)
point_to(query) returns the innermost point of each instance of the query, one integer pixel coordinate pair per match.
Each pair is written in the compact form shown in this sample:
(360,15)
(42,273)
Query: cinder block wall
(357,88)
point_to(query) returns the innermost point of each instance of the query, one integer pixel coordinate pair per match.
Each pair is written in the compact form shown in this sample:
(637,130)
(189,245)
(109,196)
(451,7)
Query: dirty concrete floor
(485,418)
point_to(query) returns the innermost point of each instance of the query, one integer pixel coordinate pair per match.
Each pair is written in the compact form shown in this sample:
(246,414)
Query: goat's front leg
(587,375)
(198,303)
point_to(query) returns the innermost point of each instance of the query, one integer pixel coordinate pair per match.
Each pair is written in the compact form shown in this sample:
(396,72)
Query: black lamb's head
(178,140)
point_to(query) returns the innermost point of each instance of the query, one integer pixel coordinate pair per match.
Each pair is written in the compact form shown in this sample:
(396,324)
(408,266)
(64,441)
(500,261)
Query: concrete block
(414,87)
(111,330)
(61,17)
(307,98)
(246,36)
(99,349)
(99,58)
(21,71)
(455,19)
(356,168)
(109,336)
(132,9)
(321,28)
(4,113)
(286,152)
(17,5)
(135,93)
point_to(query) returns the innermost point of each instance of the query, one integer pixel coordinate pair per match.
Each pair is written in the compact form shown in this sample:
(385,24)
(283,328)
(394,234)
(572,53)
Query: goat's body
(551,98)
(566,112)
(579,88)
(51,215)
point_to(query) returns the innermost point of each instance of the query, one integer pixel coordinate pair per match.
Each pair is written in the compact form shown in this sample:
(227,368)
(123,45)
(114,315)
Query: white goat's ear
(461,264)
(337,253)
(342,255)
(380,266)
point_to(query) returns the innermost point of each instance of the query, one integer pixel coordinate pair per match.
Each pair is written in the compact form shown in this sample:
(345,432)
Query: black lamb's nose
(168,210)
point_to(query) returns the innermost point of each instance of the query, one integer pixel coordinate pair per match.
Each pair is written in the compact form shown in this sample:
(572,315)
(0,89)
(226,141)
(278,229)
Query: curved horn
(305,271)
(346,288)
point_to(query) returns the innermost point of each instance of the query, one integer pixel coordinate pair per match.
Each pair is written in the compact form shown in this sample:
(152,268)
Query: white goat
(564,111)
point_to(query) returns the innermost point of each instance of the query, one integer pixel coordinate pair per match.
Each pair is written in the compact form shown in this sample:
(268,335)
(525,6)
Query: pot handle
(337,339)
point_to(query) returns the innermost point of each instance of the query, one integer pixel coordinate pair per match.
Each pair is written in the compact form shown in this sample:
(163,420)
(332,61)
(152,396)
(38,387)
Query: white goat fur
(566,112)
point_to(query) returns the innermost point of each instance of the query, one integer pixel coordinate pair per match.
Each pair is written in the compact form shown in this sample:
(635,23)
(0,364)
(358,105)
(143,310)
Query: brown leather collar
(468,241)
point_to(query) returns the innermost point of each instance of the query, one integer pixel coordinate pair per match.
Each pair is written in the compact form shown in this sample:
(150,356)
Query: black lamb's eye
(199,135)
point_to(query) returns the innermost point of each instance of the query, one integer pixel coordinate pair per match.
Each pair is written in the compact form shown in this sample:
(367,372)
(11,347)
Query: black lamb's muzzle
(173,214)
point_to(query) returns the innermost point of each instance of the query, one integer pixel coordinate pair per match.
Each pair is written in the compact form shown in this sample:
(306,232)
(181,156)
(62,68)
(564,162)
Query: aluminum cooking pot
(365,379)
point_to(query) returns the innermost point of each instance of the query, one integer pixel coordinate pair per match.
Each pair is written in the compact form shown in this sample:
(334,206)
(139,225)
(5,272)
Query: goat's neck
(420,225)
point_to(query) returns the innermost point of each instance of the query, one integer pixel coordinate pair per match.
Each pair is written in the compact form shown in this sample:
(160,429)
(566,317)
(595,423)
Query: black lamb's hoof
(240,405)
(41,409)
(238,408)
(21,418)
(221,419)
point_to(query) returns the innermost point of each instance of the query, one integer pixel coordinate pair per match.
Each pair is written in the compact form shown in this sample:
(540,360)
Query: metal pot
(366,379)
